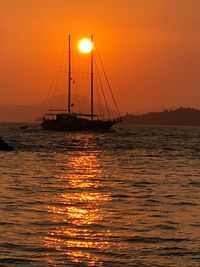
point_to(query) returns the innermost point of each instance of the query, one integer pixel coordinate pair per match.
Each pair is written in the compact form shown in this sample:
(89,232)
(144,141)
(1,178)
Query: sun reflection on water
(77,211)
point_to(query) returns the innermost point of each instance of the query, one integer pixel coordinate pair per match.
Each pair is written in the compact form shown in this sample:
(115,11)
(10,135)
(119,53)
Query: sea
(128,197)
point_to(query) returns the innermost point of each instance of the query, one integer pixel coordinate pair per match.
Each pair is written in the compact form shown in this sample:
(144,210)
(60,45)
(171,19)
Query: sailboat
(66,120)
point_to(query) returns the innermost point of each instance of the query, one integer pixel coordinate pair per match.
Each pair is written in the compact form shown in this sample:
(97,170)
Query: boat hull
(77,125)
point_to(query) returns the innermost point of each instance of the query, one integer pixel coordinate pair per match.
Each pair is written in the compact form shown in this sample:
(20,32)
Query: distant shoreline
(178,117)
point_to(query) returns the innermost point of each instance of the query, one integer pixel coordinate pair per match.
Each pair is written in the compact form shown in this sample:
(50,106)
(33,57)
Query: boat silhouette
(66,120)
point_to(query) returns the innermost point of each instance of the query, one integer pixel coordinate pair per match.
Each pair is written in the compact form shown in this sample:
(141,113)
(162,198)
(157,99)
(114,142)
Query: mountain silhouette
(180,117)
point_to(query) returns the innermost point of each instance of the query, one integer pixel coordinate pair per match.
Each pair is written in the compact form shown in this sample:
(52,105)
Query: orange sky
(151,48)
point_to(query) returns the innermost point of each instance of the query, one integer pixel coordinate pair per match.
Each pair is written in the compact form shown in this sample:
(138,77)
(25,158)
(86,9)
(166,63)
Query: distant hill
(180,117)
(30,113)
(22,113)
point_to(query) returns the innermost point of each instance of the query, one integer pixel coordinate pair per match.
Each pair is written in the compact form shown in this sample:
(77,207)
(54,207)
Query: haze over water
(125,198)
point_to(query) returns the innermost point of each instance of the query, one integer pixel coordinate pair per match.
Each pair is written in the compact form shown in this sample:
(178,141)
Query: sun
(85,45)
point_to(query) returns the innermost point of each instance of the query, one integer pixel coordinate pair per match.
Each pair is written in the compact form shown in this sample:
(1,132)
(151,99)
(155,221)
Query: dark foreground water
(126,198)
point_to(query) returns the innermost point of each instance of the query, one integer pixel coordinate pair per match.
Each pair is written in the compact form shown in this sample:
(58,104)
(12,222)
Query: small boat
(66,120)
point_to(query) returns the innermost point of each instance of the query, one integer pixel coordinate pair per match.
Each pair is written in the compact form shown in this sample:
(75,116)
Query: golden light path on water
(91,199)
(77,210)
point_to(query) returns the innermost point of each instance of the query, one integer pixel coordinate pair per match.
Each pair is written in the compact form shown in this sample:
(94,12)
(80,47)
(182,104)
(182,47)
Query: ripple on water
(125,198)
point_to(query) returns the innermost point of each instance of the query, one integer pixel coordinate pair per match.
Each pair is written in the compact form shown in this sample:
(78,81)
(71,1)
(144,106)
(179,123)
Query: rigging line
(99,100)
(54,89)
(59,91)
(56,92)
(85,83)
(77,99)
(77,86)
(103,68)
(54,81)
(101,109)
(56,77)
(108,111)
(100,104)
(63,92)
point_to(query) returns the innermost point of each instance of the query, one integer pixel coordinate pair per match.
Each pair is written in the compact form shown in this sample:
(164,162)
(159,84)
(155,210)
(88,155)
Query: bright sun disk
(85,46)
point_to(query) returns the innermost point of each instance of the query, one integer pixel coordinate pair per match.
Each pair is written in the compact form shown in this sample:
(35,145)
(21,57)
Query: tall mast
(69,75)
(92,81)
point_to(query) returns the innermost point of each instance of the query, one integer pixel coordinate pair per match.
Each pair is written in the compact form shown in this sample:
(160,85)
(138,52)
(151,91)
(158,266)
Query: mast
(92,81)
(69,75)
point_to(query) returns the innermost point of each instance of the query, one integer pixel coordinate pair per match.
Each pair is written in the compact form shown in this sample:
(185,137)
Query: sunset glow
(150,51)
(85,46)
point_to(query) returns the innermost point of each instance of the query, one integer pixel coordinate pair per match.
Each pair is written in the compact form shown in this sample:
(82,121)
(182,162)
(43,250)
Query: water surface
(125,198)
